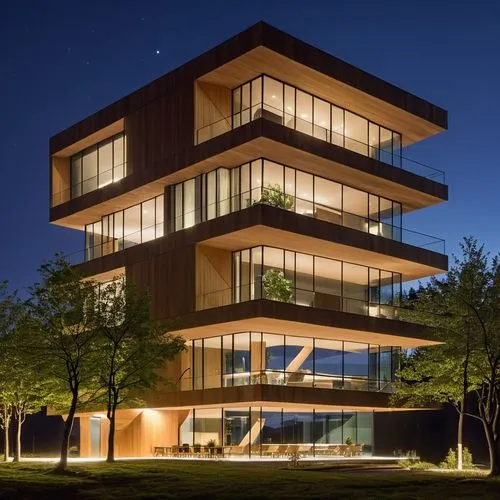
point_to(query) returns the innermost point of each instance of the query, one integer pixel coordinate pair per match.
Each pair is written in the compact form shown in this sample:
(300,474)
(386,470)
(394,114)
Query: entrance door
(95,437)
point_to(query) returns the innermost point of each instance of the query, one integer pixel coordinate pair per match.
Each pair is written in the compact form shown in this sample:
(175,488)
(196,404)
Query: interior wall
(212,107)
(213,277)
(60,180)
(148,429)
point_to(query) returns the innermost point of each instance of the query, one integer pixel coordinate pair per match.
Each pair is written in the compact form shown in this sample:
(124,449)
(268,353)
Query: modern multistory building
(258,193)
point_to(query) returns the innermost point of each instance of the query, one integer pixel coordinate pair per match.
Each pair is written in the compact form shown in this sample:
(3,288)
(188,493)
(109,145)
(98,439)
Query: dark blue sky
(63,60)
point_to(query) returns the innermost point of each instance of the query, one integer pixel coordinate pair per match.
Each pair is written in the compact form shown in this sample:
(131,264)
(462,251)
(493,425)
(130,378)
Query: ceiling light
(289,108)
(273,96)
(323,122)
(303,115)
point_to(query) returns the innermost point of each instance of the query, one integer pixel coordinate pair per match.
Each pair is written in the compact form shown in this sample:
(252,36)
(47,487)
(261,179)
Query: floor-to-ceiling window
(98,165)
(222,191)
(308,280)
(119,230)
(250,358)
(266,97)
(276,432)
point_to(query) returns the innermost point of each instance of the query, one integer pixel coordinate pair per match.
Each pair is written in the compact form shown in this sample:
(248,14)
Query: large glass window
(132,226)
(249,358)
(274,431)
(284,104)
(264,181)
(98,165)
(312,281)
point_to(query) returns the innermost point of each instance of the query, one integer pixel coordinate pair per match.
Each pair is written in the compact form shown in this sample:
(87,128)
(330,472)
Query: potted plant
(273,195)
(276,286)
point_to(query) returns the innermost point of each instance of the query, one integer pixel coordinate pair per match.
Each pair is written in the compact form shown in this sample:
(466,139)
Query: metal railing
(309,208)
(298,378)
(298,296)
(267,112)
(114,174)
(110,244)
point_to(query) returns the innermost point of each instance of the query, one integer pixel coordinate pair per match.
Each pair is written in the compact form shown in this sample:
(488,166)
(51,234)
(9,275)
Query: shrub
(415,464)
(451,459)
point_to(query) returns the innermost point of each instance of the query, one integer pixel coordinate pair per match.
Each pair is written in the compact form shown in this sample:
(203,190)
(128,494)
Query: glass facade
(273,273)
(266,97)
(223,191)
(98,165)
(250,358)
(277,432)
(119,230)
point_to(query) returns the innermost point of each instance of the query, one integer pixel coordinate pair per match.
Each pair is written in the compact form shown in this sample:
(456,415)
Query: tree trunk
(493,449)
(63,462)
(111,435)
(17,451)
(6,426)
(460,439)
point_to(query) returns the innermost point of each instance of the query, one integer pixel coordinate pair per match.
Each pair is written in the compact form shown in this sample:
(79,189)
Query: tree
(28,389)
(464,307)
(8,316)
(63,337)
(132,346)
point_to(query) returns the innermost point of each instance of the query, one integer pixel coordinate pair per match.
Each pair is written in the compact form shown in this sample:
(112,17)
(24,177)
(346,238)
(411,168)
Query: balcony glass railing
(307,208)
(300,297)
(294,379)
(267,112)
(267,196)
(78,189)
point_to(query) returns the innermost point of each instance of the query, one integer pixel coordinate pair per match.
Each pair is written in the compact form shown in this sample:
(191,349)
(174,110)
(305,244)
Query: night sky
(63,60)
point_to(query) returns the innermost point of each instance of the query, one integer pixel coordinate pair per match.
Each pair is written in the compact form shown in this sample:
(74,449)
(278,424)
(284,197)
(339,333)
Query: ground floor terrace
(236,432)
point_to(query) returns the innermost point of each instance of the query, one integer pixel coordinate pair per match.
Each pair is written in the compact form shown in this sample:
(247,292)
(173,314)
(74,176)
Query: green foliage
(131,345)
(348,440)
(415,464)
(451,459)
(273,195)
(464,311)
(212,443)
(276,286)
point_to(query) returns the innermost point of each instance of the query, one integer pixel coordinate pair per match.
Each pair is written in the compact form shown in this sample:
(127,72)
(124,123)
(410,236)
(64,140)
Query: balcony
(300,297)
(273,196)
(261,358)
(271,100)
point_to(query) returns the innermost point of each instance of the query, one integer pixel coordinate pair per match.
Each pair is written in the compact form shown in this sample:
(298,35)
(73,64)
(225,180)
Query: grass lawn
(170,479)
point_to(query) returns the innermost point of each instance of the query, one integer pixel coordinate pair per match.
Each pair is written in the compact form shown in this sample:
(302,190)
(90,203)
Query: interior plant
(348,441)
(212,443)
(273,195)
(277,286)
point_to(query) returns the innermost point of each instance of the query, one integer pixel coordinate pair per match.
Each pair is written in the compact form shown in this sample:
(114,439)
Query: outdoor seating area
(256,450)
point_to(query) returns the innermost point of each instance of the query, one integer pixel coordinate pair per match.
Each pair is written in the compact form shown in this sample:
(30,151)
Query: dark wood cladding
(317,147)
(166,266)
(159,129)
(163,267)
(256,394)
(304,315)
(261,34)
(160,167)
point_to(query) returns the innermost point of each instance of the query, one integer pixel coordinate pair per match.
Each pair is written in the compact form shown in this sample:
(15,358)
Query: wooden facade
(169,125)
